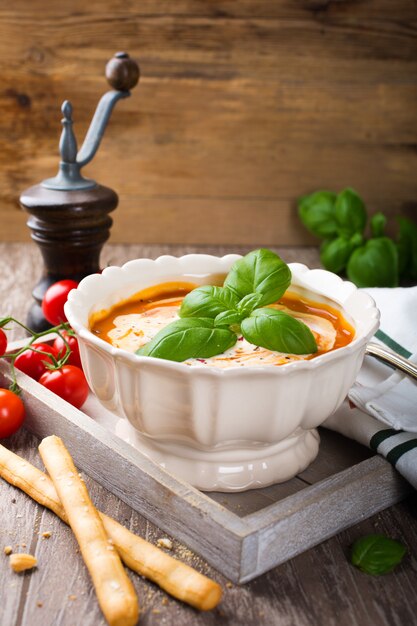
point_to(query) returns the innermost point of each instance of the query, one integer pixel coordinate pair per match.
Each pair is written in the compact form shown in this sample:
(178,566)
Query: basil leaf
(248,304)
(227,318)
(375,264)
(378,223)
(377,554)
(276,330)
(335,253)
(357,240)
(207,301)
(316,211)
(350,213)
(407,249)
(189,338)
(260,272)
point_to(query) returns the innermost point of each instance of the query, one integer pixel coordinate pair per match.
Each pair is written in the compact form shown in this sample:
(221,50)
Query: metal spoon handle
(391,358)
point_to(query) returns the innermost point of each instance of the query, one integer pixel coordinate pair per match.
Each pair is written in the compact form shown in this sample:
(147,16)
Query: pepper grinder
(69,214)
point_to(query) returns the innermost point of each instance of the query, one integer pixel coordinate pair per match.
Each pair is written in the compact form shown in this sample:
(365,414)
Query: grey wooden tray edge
(319,511)
(238,547)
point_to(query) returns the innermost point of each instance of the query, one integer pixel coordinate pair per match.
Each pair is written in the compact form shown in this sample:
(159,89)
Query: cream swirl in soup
(133,323)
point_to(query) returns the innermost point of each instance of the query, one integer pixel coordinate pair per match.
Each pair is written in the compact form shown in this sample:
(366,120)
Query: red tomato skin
(3,342)
(12,413)
(54,300)
(68,382)
(60,349)
(31,363)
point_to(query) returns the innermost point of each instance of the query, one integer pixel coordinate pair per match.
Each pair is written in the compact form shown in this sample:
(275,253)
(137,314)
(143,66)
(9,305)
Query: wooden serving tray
(241,534)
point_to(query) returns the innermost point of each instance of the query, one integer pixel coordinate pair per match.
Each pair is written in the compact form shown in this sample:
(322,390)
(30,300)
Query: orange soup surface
(132,323)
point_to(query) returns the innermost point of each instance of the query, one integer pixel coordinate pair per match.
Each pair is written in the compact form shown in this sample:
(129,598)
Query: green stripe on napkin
(380,436)
(391,343)
(396,453)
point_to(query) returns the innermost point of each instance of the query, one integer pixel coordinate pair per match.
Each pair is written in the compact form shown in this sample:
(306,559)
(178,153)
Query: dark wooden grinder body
(70,228)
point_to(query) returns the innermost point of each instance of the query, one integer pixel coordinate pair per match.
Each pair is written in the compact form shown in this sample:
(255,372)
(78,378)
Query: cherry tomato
(68,382)
(60,349)
(32,363)
(3,342)
(54,300)
(12,413)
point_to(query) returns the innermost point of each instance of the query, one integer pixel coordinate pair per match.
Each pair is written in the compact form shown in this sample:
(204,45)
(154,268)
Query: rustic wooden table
(315,588)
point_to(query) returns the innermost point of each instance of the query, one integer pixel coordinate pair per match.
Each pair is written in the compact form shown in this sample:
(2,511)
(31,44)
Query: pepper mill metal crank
(69,214)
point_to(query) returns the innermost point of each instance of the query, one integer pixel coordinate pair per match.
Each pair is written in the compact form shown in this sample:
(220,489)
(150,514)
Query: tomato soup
(132,323)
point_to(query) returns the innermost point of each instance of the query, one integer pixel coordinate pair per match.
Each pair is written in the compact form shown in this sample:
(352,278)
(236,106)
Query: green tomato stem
(56,363)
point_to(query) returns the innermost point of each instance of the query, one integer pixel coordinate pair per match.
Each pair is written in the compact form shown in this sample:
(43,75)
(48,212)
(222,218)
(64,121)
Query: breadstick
(35,483)
(179,580)
(115,593)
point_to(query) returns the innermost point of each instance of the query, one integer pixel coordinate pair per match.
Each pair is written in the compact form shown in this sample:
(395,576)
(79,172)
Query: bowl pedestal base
(233,468)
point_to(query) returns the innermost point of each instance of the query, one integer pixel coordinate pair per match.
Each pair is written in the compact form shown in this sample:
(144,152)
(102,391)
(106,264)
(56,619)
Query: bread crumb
(39,604)
(164,601)
(22,562)
(46,534)
(156,611)
(229,585)
(72,597)
(187,555)
(7,550)
(164,542)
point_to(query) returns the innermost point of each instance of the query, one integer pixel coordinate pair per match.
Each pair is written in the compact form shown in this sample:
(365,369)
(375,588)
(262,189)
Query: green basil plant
(340,221)
(211,318)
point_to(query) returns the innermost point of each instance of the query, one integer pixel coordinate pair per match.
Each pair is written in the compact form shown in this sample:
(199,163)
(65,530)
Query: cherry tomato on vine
(68,382)
(60,348)
(12,413)
(32,363)
(3,342)
(54,300)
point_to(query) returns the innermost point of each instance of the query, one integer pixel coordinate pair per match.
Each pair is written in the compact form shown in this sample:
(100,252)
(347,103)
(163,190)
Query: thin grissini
(178,579)
(115,593)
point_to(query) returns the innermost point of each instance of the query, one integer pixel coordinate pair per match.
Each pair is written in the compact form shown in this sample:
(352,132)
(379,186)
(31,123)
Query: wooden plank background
(242,107)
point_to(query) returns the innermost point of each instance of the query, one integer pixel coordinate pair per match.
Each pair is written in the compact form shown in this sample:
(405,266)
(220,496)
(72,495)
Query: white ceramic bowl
(220,429)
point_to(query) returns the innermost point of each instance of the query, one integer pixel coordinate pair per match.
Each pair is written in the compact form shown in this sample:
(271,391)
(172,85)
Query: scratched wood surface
(242,107)
(318,587)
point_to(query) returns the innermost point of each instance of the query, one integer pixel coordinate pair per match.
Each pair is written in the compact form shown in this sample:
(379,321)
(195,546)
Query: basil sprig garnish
(211,317)
(377,554)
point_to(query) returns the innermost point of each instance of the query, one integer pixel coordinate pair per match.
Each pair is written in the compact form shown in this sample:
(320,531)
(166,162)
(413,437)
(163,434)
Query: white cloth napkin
(384,415)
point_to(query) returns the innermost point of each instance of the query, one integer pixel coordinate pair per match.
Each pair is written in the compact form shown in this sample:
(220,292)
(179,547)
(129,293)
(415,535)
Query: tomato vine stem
(12,356)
